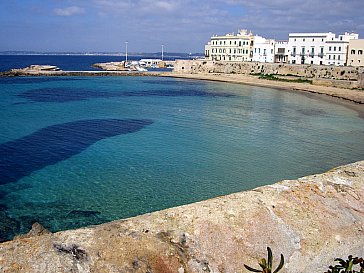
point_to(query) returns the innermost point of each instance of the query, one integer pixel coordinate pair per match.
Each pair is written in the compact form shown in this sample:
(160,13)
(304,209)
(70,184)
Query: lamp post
(162,51)
(126,52)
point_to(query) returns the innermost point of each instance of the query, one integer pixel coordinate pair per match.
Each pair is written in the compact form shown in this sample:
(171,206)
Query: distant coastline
(118,54)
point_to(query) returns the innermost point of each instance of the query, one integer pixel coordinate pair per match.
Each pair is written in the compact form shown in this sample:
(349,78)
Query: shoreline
(355,96)
(349,95)
(311,221)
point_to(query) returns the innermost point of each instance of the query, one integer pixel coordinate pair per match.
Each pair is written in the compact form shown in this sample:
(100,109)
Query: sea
(79,151)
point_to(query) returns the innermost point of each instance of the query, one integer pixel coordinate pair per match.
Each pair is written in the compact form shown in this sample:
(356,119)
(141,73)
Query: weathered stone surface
(37,68)
(37,230)
(111,66)
(311,221)
(248,68)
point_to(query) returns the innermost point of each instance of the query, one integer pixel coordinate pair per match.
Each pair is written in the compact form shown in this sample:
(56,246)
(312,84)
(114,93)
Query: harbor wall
(253,68)
(311,221)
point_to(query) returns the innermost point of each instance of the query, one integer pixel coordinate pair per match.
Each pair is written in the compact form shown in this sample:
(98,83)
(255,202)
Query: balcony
(321,55)
(293,54)
(312,54)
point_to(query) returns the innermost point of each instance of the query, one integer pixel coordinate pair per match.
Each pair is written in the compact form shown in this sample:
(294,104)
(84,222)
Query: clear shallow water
(81,151)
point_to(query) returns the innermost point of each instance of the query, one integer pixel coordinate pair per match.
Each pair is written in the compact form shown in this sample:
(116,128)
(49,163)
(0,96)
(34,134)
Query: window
(360,52)
(334,57)
(329,48)
(339,48)
(352,51)
(313,40)
(320,62)
(338,57)
(239,43)
(303,50)
(322,40)
(311,62)
(295,40)
(230,42)
(334,48)
(329,57)
(304,39)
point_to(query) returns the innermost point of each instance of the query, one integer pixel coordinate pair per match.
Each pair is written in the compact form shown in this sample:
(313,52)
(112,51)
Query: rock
(37,68)
(37,230)
(311,221)
(111,66)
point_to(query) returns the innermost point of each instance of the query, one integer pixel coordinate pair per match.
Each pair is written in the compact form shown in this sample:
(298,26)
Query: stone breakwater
(311,221)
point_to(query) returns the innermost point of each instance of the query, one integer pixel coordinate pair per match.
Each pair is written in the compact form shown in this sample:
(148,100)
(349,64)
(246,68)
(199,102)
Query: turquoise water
(81,151)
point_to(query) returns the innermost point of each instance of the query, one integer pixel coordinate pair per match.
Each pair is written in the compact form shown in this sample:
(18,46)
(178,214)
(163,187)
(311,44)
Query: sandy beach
(356,96)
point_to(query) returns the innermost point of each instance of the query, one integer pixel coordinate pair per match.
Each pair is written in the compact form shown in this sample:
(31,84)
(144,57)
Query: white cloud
(69,11)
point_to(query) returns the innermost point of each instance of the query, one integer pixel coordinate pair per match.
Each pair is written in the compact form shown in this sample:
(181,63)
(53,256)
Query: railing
(312,55)
(321,55)
(293,54)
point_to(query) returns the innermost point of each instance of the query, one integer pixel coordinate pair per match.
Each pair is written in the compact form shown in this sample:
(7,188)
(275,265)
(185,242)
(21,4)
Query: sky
(180,25)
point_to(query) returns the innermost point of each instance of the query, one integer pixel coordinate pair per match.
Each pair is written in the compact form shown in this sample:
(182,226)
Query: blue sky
(181,25)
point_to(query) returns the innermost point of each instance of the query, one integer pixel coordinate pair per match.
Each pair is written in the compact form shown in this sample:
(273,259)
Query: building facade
(263,50)
(231,47)
(301,48)
(308,48)
(281,52)
(336,49)
(319,48)
(355,53)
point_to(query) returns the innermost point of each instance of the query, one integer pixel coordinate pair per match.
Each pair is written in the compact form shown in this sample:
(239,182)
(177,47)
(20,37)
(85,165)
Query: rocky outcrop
(311,221)
(111,66)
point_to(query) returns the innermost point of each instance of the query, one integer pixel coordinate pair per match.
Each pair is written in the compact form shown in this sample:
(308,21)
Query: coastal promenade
(311,221)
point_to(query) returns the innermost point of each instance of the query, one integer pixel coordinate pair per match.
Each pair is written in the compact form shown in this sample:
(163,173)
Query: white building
(231,47)
(336,49)
(281,52)
(263,50)
(308,48)
(319,48)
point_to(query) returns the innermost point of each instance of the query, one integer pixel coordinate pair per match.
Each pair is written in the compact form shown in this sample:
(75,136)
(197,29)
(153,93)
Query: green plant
(347,266)
(267,265)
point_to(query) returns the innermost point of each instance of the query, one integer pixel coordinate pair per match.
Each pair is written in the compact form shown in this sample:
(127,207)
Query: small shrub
(267,265)
(347,266)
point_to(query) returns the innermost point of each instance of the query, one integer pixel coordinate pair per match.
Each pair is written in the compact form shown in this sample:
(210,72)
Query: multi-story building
(336,49)
(263,50)
(308,48)
(319,48)
(231,47)
(281,52)
(301,48)
(355,53)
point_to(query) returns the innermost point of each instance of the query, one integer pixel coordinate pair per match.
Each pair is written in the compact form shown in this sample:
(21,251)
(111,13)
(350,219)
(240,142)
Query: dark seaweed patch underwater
(60,95)
(55,143)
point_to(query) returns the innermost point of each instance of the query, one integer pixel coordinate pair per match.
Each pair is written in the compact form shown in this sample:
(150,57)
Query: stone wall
(248,68)
(361,80)
(310,221)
